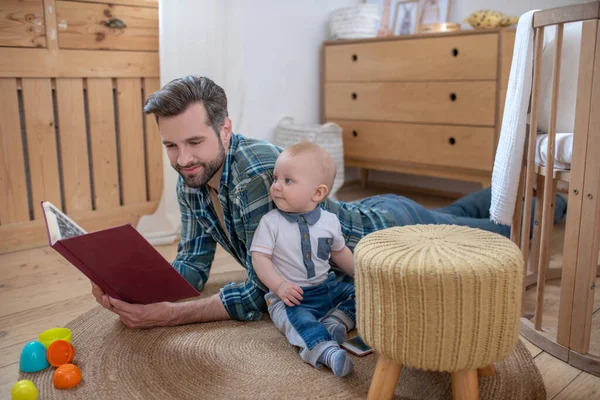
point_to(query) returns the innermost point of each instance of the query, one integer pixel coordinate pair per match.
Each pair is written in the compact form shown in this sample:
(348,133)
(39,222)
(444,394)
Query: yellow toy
(24,390)
(485,19)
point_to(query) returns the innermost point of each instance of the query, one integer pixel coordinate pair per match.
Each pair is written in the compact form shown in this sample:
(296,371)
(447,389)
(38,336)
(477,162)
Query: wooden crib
(568,336)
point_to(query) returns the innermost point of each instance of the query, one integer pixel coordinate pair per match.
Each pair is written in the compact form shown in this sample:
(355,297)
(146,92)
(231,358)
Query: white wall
(282,47)
(265,53)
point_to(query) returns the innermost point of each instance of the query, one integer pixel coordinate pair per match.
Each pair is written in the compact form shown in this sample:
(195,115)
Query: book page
(60,226)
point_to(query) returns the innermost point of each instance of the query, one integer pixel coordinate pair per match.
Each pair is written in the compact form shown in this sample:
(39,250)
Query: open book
(119,260)
(59,225)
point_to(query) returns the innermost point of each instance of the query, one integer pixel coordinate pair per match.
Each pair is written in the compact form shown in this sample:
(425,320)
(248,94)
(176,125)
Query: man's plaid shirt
(244,196)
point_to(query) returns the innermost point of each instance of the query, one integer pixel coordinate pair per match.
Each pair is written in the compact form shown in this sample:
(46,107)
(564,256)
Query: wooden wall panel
(13,188)
(22,23)
(41,143)
(71,88)
(131,141)
(41,63)
(142,3)
(84,26)
(50,20)
(103,143)
(73,145)
(154,147)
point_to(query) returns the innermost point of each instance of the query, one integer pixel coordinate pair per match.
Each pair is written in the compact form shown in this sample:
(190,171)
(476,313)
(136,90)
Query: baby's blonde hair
(321,157)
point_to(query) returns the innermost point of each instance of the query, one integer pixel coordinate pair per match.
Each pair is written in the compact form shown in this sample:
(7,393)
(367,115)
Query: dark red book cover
(125,266)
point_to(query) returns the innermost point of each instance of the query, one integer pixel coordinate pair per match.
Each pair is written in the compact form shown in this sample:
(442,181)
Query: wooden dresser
(428,104)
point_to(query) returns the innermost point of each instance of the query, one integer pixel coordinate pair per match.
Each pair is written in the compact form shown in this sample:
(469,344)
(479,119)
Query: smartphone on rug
(357,346)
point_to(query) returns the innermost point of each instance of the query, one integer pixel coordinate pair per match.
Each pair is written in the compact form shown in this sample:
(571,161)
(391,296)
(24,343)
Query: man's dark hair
(180,93)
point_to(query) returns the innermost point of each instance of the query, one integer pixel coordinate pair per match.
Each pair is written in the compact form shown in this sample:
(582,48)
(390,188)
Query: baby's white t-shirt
(280,238)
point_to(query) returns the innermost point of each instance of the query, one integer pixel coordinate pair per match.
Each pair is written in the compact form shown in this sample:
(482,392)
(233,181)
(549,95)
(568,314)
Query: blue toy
(33,357)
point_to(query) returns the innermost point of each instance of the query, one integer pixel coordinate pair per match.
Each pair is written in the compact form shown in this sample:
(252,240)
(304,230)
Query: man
(223,192)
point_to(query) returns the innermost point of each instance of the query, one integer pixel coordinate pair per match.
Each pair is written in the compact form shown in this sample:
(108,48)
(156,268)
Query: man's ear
(320,193)
(226,130)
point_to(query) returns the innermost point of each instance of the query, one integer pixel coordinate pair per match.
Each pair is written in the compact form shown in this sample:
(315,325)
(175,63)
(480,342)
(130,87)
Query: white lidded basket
(355,22)
(328,136)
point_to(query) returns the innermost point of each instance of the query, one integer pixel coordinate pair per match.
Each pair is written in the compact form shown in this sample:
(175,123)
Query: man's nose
(185,158)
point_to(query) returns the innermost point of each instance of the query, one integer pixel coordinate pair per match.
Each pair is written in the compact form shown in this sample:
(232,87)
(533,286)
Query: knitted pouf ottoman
(439,298)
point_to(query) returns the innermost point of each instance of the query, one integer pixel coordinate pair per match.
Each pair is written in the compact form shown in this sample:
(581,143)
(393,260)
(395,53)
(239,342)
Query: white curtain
(199,37)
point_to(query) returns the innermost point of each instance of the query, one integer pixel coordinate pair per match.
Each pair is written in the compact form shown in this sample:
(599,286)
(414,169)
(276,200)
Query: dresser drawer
(440,58)
(463,103)
(106,26)
(22,23)
(434,145)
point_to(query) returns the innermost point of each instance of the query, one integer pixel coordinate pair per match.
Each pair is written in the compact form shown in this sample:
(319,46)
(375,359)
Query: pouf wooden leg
(490,370)
(465,385)
(385,379)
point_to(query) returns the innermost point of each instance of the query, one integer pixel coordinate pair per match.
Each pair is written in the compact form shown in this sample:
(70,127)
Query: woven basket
(328,136)
(355,22)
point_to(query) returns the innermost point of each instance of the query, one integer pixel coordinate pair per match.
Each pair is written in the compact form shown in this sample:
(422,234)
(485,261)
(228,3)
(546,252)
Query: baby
(290,254)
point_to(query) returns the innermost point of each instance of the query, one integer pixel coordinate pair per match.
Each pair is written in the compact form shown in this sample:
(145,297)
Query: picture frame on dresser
(406,17)
(387,8)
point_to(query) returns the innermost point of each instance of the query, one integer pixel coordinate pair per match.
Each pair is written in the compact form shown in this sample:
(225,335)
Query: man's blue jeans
(317,302)
(471,210)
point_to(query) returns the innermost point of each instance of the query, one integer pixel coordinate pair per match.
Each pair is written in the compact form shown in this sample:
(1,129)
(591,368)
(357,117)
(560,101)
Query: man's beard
(201,178)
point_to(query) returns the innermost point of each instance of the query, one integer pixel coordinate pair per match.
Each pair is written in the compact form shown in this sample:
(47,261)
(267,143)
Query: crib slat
(13,190)
(73,145)
(131,141)
(550,183)
(154,147)
(534,255)
(515,231)
(529,170)
(41,143)
(589,230)
(576,195)
(533,126)
(103,143)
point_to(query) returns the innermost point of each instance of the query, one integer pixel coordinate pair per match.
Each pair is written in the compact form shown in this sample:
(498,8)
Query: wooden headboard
(73,79)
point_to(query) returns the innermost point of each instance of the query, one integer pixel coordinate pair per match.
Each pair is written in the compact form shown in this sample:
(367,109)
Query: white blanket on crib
(563,147)
(509,155)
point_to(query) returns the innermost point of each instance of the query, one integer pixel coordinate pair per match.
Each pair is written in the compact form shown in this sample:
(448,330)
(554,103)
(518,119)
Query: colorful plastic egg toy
(66,376)
(33,357)
(51,335)
(24,390)
(60,352)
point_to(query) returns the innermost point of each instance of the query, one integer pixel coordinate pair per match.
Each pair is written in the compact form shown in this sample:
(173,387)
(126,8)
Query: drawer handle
(453,96)
(455,52)
(354,57)
(115,23)
(452,141)
(354,96)
(354,133)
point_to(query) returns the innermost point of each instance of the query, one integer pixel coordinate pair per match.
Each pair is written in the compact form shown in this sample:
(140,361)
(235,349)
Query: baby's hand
(290,293)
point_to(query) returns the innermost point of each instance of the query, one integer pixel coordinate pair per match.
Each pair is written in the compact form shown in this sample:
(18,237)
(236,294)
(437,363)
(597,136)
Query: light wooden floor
(39,290)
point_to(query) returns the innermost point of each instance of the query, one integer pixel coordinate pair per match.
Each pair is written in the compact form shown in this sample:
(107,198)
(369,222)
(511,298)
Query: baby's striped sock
(337,360)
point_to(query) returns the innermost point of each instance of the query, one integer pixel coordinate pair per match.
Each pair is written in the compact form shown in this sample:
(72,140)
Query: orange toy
(66,376)
(60,352)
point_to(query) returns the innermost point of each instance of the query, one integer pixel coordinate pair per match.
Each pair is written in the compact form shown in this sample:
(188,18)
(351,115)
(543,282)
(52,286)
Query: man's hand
(163,314)
(290,293)
(136,315)
(144,316)
(101,297)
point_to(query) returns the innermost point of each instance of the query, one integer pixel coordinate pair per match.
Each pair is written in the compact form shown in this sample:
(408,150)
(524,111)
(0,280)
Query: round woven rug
(241,361)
